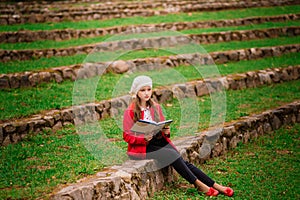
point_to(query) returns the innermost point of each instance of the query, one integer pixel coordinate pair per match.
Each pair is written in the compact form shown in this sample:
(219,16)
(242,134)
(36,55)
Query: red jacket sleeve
(129,136)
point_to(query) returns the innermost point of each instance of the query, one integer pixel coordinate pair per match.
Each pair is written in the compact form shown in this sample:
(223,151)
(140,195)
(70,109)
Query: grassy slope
(38,164)
(181,17)
(56,61)
(48,44)
(23,102)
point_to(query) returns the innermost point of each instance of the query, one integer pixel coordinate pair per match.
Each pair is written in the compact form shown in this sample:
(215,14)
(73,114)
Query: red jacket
(136,143)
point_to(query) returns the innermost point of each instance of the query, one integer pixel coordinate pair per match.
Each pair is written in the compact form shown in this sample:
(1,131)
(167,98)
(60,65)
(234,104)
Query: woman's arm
(129,136)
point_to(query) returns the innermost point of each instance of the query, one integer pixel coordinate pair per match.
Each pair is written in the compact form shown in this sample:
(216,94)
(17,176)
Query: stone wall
(140,179)
(152,42)
(190,6)
(88,70)
(58,35)
(67,6)
(16,130)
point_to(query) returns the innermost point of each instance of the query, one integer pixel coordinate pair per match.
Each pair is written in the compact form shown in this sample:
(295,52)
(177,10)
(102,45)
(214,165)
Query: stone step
(88,70)
(59,35)
(15,130)
(193,6)
(140,179)
(12,9)
(154,42)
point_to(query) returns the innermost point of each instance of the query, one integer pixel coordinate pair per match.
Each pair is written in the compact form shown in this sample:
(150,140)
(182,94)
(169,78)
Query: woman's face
(145,93)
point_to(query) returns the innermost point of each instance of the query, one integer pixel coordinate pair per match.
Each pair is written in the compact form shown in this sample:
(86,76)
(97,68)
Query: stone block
(57,77)
(250,79)
(201,88)
(179,90)
(15,137)
(225,144)
(229,131)
(4,81)
(190,90)
(67,115)
(24,79)
(217,150)
(45,77)
(162,95)
(240,81)
(1,135)
(49,121)
(275,75)
(246,137)
(34,79)
(224,83)
(232,83)
(21,127)
(233,142)
(68,74)
(14,81)
(57,126)
(9,128)
(221,58)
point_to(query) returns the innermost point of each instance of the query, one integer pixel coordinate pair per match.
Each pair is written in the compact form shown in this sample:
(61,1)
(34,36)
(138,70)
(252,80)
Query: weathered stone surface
(49,121)
(201,88)
(119,67)
(14,81)
(57,126)
(9,128)
(1,135)
(162,95)
(229,131)
(4,81)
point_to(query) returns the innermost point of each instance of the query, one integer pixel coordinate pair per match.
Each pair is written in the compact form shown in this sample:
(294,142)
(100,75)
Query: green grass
(48,44)
(24,102)
(265,168)
(181,17)
(35,166)
(42,162)
(45,63)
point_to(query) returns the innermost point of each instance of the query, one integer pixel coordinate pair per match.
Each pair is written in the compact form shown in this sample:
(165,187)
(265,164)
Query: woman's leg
(169,156)
(208,181)
(200,175)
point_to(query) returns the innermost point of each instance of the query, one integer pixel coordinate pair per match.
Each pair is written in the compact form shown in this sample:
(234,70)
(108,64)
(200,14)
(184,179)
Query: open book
(149,127)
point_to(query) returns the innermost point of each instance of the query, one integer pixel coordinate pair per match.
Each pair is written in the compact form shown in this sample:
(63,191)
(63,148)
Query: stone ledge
(59,35)
(88,70)
(154,42)
(140,179)
(14,131)
(191,6)
(67,6)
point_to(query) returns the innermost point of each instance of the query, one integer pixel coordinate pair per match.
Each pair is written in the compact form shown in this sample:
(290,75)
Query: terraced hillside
(70,62)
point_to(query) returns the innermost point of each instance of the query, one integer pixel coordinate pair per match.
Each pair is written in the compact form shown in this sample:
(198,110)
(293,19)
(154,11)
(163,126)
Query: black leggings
(167,155)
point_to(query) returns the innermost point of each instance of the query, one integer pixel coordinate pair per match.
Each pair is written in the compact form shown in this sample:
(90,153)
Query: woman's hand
(166,131)
(148,137)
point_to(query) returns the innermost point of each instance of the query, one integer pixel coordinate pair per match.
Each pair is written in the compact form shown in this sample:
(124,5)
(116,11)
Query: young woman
(160,147)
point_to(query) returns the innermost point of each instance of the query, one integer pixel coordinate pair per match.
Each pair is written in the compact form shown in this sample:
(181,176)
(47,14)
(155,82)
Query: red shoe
(212,192)
(228,192)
